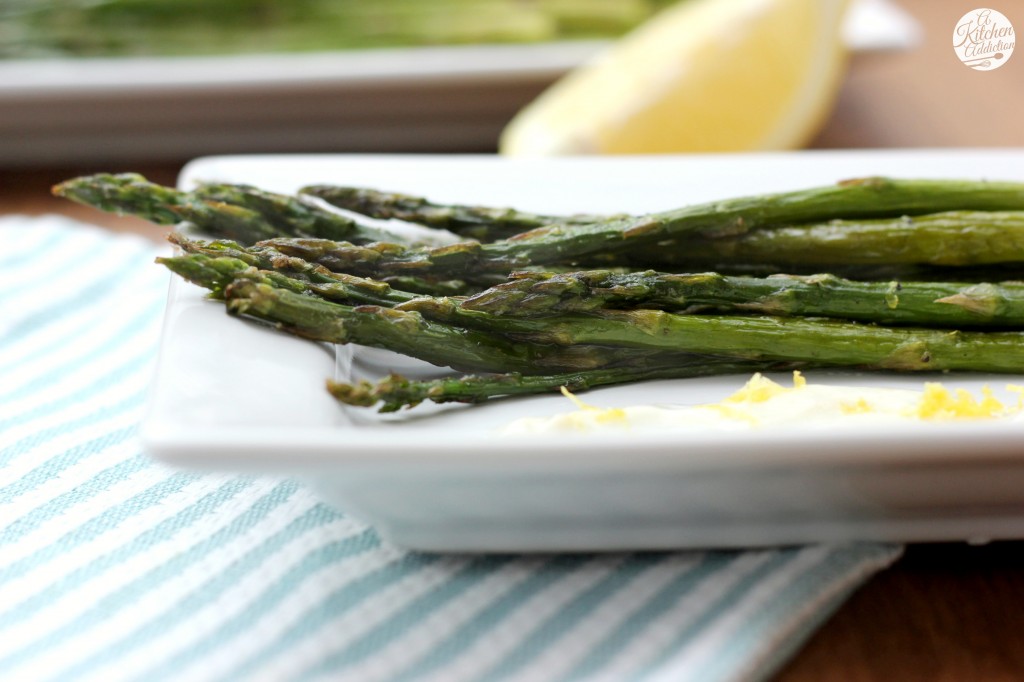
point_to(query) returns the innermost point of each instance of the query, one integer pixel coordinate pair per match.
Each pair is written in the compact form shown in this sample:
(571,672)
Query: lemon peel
(938,402)
(600,415)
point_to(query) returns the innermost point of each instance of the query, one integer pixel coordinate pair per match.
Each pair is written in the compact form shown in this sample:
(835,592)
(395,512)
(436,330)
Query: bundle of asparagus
(535,302)
(91,28)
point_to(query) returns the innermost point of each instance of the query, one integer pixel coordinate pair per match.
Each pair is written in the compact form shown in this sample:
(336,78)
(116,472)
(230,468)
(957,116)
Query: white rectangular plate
(411,99)
(416,99)
(233,396)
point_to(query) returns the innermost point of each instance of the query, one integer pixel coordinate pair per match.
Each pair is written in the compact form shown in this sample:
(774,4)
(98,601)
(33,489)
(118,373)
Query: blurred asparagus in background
(46,28)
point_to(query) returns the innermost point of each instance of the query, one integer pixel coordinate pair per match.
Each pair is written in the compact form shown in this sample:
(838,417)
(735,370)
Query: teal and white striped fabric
(113,567)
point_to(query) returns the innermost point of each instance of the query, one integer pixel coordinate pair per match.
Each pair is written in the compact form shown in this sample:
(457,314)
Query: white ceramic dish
(236,397)
(422,99)
(417,99)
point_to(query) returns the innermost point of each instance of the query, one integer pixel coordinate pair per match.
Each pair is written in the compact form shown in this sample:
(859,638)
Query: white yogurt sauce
(763,402)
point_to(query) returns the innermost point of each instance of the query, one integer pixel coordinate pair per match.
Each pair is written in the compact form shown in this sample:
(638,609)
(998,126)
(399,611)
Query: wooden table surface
(943,612)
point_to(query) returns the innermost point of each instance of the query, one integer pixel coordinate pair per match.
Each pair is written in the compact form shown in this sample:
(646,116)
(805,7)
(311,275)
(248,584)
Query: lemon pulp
(704,75)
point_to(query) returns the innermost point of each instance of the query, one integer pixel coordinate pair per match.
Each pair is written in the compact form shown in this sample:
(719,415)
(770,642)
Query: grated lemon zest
(575,400)
(862,406)
(938,402)
(758,389)
(600,415)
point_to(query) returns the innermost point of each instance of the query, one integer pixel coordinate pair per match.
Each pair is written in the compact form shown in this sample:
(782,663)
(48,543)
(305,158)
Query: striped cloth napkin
(114,567)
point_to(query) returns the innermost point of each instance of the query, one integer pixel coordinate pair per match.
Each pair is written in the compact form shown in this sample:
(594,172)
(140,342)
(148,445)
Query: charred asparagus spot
(481,223)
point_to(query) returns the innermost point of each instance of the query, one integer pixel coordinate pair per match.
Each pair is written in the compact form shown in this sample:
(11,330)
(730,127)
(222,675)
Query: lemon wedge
(704,75)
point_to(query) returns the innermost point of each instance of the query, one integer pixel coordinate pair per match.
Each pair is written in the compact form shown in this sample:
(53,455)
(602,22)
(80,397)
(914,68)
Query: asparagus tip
(358,395)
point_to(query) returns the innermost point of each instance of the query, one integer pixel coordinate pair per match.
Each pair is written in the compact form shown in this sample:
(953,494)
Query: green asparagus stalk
(396,391)
(553,244)
(218,270)
(240,213)
(126,194)
(954,238)
(482,223)
(268,258)
(287,304)
(406,333)
(85,28)
(759,337)
(428,287)
(486,224)
(425,274)
(217,273)
(304,276)
(752,338)
(463,260)
(412,334)
(292,215)
(578,352)
(853,199)
(417,328)
(925,304)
